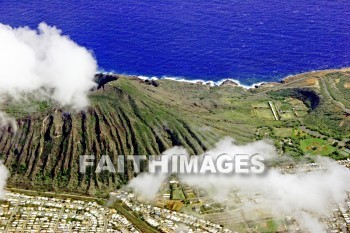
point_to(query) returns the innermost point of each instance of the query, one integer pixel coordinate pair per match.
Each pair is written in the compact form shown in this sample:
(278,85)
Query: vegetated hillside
(130,116)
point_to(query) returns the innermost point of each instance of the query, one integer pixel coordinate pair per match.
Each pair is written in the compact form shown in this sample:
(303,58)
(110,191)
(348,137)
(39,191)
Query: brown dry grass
(311,82)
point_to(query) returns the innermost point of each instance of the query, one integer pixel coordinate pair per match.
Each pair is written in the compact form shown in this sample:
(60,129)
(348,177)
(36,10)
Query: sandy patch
(311,82)
(347,85)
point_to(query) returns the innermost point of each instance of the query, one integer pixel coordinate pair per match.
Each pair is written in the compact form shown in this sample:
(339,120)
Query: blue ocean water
(250,40)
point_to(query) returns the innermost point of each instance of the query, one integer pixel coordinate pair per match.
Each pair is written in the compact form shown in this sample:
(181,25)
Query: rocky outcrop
(102,79)
(229,82)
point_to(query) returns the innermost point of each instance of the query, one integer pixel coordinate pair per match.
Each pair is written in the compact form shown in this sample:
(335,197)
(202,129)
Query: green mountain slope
(130,116)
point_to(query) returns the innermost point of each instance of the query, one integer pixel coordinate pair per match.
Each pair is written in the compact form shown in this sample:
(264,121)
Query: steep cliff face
(46,151)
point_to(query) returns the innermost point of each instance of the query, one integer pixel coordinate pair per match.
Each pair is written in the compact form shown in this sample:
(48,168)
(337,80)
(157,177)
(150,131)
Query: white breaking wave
(182,79)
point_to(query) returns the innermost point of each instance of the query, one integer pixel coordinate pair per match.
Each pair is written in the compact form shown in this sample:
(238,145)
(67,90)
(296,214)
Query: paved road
(56,194)
(282,85)
(285,85)
(339,104)
(58,219)
(105,221)
(15,210)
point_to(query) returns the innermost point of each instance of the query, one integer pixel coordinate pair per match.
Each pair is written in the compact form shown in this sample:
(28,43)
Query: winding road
(339,104)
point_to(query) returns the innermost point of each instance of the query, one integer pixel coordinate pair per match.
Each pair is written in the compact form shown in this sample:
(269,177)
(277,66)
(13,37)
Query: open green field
(269,226)
(283,132)
(264,113)
(177,194)
(316,146)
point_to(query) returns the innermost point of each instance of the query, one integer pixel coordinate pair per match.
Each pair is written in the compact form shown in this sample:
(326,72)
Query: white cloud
(305,196)
(45,60)
(6,121)
(148,184)
(3,177)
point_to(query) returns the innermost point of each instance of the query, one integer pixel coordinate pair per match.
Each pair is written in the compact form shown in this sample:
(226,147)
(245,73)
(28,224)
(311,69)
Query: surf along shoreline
(222,82)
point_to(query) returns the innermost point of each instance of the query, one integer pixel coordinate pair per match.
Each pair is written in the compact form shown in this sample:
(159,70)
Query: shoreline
(231,81)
